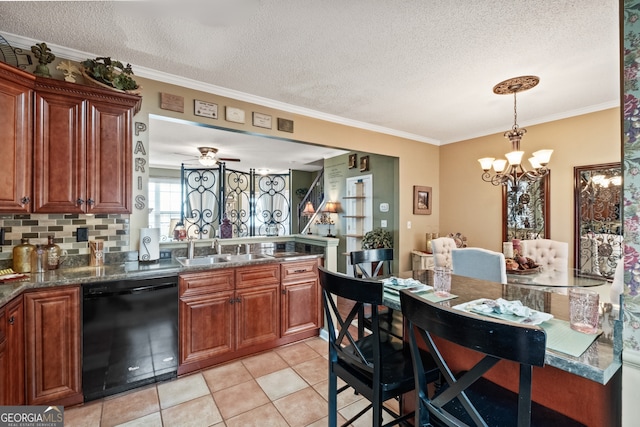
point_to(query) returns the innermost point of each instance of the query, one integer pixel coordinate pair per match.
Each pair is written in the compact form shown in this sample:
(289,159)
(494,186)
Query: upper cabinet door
(16,95)
(59,161)
(108,158)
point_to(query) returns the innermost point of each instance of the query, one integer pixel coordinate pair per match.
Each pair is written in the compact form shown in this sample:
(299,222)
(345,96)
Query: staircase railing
(315,195)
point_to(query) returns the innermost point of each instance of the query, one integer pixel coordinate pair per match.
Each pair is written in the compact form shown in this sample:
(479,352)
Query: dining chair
(375,367)
(468,398)
(362,262)
(549,254)
(479,263)
(441,248)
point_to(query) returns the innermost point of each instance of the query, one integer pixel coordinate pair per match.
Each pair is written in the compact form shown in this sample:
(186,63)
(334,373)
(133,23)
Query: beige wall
(474,208)
(418,162)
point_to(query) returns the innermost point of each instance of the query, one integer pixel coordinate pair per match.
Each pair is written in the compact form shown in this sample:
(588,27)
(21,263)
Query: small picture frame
(285,125)
(261,120)
(422,200)
(205,109)
(364,163)
(235,115)
(353,161)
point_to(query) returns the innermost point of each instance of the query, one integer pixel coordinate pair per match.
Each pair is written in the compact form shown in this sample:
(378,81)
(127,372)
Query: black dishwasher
(130,334)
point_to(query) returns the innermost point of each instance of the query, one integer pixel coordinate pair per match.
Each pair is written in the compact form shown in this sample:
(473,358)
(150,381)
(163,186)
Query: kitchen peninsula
(221,312)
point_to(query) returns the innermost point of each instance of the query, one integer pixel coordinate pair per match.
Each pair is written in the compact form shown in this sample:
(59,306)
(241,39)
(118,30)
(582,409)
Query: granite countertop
(127,271)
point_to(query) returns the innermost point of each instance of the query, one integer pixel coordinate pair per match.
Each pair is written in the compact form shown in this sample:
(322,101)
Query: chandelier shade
(513,173)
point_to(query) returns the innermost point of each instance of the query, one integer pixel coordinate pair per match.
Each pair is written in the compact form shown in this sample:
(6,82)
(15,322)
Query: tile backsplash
(113,229)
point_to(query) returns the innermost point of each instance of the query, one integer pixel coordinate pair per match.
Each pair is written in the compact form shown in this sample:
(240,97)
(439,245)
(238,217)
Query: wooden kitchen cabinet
(12,390)
(206,317)
(300,297)
(16,125)
(53,352)
(82,151)
(227,313)
(80,138)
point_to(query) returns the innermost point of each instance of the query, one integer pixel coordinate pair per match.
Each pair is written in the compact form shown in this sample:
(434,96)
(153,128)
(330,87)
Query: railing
(254,204)
(315,195)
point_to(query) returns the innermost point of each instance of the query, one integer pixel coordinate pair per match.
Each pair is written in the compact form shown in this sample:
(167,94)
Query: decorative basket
(90,81)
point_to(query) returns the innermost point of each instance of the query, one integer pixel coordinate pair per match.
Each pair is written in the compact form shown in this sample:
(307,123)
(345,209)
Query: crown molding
(79,56)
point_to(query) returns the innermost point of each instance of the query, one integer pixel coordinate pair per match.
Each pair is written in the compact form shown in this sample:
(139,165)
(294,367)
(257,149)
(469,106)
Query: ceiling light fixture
(515,172)
(207,156)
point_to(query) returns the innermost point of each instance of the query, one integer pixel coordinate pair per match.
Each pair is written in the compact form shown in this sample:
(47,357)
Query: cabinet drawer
(206,281)
(297,270)
(257,275)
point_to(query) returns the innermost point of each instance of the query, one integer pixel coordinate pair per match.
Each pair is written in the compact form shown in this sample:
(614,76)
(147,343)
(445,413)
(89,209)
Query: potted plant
(376,239)
(109,73)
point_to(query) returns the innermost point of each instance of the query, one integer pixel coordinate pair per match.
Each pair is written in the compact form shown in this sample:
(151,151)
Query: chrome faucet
(238,250)
(191,248)
(217,246)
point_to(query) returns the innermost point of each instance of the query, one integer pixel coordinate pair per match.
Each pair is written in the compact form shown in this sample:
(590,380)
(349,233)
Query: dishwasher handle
(104,293)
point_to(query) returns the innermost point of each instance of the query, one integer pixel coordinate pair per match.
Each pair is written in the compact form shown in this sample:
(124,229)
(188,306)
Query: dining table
(582,373)
(551,278)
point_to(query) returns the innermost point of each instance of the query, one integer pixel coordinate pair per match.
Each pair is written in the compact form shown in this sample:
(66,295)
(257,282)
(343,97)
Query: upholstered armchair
(441,248)
(548,254)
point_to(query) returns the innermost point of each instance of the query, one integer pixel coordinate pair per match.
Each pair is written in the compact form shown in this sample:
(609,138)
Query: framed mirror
(598,221)
(525,210)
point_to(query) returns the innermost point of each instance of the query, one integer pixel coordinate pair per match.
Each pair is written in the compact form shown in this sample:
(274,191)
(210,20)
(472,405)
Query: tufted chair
(441,248)
(551,255)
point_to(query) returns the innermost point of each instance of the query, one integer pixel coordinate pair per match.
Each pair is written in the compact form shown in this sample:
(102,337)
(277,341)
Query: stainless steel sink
(246,257)
(203,260)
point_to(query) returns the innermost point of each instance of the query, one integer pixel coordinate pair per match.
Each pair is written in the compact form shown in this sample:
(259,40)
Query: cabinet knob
(238,300)
(302,270)
(79,201)
(90,202)
(25,200)
(284,292)
(12,320)
(231,301)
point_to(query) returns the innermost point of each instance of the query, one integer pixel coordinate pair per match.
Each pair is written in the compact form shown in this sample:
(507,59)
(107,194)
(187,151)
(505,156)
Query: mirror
(598,223)
(525,210)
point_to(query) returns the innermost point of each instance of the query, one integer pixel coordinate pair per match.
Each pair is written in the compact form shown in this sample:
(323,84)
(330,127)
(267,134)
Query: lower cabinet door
(206,326)
(300,308)
(15,352)
(257,315)
(52,330)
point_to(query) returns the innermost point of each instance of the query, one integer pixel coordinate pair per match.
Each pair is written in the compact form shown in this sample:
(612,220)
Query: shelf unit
(358,216)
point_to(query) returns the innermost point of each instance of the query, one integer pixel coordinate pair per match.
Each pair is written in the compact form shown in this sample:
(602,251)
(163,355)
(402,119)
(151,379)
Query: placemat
(428,295)
(560,337)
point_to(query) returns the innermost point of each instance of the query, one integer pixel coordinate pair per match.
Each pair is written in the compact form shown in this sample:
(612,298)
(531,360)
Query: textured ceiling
(415,67)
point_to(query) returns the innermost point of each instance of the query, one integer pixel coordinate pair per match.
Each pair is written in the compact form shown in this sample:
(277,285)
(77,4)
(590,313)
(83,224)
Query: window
(165,200)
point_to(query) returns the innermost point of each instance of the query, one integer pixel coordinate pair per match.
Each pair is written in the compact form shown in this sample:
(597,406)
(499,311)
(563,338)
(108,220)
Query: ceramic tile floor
(286,386)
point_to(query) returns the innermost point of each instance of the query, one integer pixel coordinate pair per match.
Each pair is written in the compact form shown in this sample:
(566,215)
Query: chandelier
(513,173)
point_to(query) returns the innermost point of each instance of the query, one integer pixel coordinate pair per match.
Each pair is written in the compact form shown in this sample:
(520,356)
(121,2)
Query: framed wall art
(353,161)
(205,109)
(422,200)
(364,163)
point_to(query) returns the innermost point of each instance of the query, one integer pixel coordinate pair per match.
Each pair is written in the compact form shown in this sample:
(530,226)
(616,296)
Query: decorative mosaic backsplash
(113,229)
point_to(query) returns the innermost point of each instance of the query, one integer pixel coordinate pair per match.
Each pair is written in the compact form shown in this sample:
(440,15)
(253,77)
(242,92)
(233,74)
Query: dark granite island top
(127,271)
